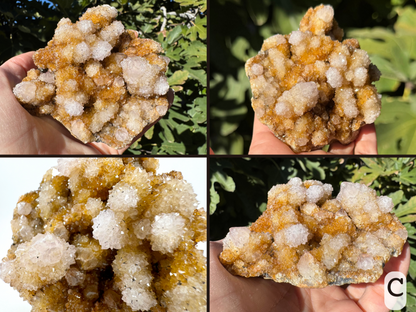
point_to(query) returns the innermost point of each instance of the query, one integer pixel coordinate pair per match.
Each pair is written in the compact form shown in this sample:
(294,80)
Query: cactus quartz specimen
(100,81)
(308,239)
(108,234)
(309,88)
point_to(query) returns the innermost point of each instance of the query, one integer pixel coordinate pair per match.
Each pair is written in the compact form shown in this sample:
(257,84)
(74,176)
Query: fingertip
(340,149)
(264,142)
(171,97)
(366,142)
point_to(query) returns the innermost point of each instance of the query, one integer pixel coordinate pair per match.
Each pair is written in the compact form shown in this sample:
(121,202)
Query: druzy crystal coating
(309,239)
(108,234)
(310,88)
(96,78)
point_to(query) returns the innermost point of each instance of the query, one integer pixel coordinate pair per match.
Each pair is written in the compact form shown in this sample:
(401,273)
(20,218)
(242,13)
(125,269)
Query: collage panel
(129,79)
(104,77)
(316,234)
(299,76)
(103,234)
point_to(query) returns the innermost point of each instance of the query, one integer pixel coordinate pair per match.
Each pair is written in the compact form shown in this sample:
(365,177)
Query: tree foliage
(239,190)
(180,27)
(394,53)
(239,27)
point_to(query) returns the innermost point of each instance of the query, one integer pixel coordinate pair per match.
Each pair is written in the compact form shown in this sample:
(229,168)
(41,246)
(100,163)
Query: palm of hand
(22,133)
(264,142)
(232,293)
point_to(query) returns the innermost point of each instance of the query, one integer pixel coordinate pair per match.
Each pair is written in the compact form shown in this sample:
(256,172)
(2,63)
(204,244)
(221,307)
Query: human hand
(265,142)
(235,293)
(22,133)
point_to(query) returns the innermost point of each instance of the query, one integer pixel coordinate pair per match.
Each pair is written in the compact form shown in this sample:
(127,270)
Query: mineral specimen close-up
(310,88)
(309,239)
(108,234)
(96,78)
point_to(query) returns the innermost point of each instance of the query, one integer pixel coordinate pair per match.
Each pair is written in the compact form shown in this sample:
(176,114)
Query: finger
(51,137)
(341,149)
(366,142)
(235,293)
(370,297)
(17,67)
(104,149)
(328,299)
(264,142)
(317,152)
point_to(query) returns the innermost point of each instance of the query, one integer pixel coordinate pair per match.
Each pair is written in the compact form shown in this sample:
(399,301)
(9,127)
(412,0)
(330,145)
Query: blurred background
(180,27)
(239,187)
(386,29)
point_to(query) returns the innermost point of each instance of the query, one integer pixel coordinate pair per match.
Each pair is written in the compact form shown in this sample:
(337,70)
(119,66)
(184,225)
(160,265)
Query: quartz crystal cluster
(100,81)
(309,239)
(310,88)
(108,234)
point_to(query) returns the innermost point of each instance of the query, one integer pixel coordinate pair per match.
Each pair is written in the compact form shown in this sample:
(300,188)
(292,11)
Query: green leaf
(407,176)
(177,115)
(200,25)
(200,3)
(391,53)
(411,288)
(199,111)
(388,69)
(258,10)
(412,269)
(286,19)
(314,167)
(174,148)
(24,28)
(401,59)
(174,34)
(263,207)
(240,47)
(410,229)
(409,219)
(397,197)
(166,131)
(406,21)
(149,133)
(197,51)
(214,199)
(407,208)
(178,78)
(412,69)
(410,303)
(396,126)
(373,169)
(388,84)
(226,182)
(197,74)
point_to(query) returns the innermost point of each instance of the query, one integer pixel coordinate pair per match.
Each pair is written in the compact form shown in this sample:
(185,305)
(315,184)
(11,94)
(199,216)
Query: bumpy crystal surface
(108,234)
(309,239)
(311,89)
(100,81)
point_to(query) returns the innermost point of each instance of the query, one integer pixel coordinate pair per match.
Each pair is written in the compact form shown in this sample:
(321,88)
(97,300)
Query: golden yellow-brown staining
(310,88)
(108,234)
(100,81)
(309,239)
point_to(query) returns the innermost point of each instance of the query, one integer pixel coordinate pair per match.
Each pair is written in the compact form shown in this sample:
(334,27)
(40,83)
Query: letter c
(400,280)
